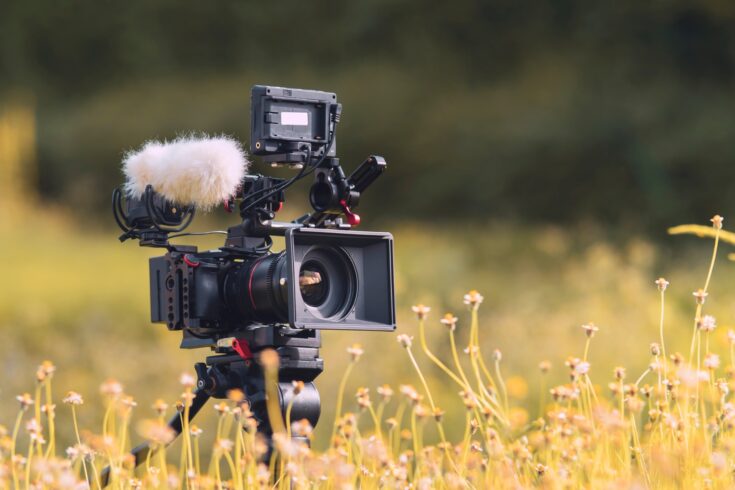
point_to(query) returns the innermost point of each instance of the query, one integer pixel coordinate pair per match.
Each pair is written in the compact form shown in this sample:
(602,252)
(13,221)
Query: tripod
(298,352)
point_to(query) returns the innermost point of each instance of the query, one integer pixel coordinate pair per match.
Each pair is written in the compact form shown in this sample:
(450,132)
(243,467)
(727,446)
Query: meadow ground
(80,299)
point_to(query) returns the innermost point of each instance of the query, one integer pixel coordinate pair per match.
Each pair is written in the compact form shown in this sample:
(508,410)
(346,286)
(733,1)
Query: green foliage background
(532,110)
(520,136)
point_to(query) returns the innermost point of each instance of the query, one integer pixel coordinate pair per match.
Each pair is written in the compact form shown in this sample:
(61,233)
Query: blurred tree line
(622,112)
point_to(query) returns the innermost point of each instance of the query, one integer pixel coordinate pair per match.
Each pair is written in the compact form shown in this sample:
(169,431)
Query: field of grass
(80,299)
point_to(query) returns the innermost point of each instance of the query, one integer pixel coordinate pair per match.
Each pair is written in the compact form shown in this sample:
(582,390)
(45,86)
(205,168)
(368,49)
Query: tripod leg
(140,453)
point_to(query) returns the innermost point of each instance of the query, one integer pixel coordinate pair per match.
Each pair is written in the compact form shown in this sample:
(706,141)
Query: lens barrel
(327,283)
(257,289)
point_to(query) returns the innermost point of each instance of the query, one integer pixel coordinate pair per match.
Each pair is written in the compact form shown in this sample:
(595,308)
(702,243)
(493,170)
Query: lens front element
(328,282)
(313,283)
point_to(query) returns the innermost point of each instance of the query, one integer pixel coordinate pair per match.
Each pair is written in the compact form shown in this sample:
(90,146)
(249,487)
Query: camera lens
(257,289)
(328,282)
(313,283)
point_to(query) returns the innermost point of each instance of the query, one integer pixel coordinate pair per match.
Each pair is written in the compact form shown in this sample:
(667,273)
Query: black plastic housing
(371,255)
(273,108)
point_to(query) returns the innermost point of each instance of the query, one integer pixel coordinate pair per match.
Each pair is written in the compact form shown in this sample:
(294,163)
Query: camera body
(324,279)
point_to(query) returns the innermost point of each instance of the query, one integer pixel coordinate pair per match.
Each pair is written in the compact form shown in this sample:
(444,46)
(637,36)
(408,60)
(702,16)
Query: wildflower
(298,387)
(187,398)
(129,402)
(160,407)
(571,362)
(45,370)
(677,358)
(72,452)
(634,404)
(73,398)
(563,393)
(269,358)
(421,411)
(404,340)
(302,428)
(700,295)
(187,380)
(33,427)
(582,368)
(251,424)
(221,408)
(717,221)
(655,349)
(224,445)
(411,393)
(544,366)
(236,395)
(135,483)
(421,311)
(711,361)
(662,284)
(355,351)
(19,460)
(646,390)
(619,373)
(469,399)
(497,355)
(471,349)
(692,377)
(363,397)
(731,336)
(263,475)
(49,409)
(450,321)
(25,401)
(723,387)
(385,393)
(195,430)
(707,323)
(111,387)
(438,413)
(590,329)
(656,366)
(473,299)
(156,432)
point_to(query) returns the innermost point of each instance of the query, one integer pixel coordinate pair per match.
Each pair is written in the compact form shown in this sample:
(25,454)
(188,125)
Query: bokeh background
(537,152)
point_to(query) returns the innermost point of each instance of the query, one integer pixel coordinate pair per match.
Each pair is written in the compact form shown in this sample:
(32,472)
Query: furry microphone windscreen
(191,170)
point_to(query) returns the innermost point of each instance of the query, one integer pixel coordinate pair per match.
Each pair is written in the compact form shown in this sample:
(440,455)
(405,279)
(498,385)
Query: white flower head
(405,340)
(707,323)
(582,368)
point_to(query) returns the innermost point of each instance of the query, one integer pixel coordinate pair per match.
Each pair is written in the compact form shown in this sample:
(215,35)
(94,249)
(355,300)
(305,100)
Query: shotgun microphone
(195,170)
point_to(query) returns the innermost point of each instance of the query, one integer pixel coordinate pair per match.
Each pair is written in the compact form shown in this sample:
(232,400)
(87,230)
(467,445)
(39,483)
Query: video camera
(243,297)
(328,277)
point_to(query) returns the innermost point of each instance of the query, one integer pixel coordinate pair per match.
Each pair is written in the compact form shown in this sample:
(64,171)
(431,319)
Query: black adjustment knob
(204,381)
